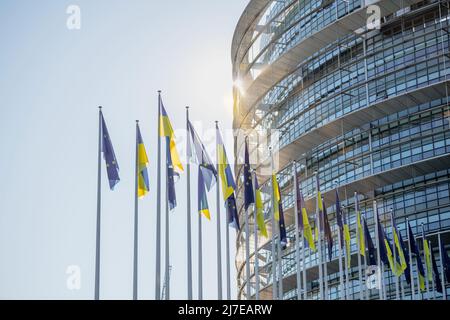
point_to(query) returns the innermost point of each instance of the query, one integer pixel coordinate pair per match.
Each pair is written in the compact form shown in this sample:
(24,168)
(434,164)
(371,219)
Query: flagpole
(274,265)
(377,237)
(346,259)
(247,256)
(427,283)
(444,291)
(341,273)
(227,239)
(319,241)
(366,289)
(167,246)
(158,209)
(358,245)
(255,234)
(200,257)
(136,222)
(397,284)
(297,239)
(432,278)
(411,273)
(219,240)
(99,201)
(188,209)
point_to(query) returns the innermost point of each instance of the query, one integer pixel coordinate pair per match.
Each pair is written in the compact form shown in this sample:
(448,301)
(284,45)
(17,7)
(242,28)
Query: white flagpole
(297,240)
(319,241)
(200,257)
(136,223)
(411,273)
(247,256)
(380,264)
(366,289)
(219,236)
(397,284)
(432,278)
(167,246)
(188,211)
(158,209)
(227,239)
(444,291)
(99,206)
(255,233)
(274,263)
(427,283)
(342,295)
(358,246)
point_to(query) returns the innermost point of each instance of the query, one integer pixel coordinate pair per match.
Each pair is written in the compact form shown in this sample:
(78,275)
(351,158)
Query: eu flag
(249,197)
(232,214)
(203,159)
(112,167)
(171,195)
(445,260)
(283,236)
(437,278)
(370,247)
(327,231)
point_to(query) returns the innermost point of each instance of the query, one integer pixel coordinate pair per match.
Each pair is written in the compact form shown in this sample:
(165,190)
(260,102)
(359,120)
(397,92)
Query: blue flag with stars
(249,197)
(112,167)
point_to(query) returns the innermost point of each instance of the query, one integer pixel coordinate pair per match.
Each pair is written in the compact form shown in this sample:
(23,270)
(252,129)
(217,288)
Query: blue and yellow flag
(276,198)
(112,167)
(427,254)
(399,249)
(203,208)
(360,239)
(226,175)
(344,230)
(260,210)
(171,195)
(142,163)
(166,130)
(303,221)
(415,250)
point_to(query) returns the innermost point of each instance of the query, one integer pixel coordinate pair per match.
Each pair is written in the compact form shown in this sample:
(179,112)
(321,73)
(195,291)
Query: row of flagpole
(208,176)
(396,257)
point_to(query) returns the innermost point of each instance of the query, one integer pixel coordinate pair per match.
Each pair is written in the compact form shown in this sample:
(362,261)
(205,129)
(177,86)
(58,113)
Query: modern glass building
(366,108)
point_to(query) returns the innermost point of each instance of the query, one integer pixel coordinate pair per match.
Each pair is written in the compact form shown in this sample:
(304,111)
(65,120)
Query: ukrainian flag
(203,208)
(362,241)
(307,230)
(142,163)
(225,173)
(427,252)
(166,130)
(276,197)
(260,210)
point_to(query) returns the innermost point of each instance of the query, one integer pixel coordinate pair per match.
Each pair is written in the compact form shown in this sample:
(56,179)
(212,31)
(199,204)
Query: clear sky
(52,79)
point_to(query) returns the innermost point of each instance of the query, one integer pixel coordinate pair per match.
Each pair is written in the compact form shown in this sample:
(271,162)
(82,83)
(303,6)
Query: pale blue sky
(51,82)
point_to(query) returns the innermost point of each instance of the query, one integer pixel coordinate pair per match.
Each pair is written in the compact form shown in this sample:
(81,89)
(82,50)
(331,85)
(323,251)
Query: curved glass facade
(369,112)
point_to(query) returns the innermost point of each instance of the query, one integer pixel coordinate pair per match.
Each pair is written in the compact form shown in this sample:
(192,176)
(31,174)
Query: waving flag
(260,210)
(203,208)
(112,167)
(225,173)
(171,195)
(203,159)
(166,130)
(369,244)
(445,260)
(360,239)
(249,197)
(142,161)
(328,234)
(437,278)
(303,220)
(344,230)
(399,249)
(415,250)
(276,197)
(232,214)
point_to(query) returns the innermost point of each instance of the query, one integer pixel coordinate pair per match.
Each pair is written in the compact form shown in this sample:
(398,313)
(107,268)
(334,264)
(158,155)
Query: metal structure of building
(366,108)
